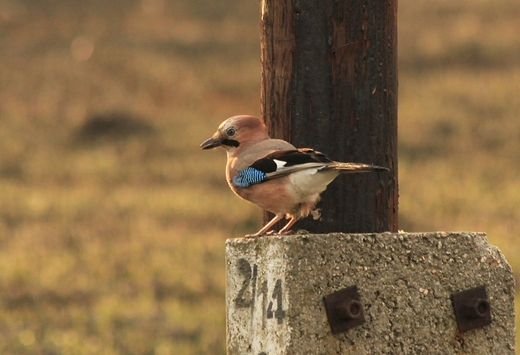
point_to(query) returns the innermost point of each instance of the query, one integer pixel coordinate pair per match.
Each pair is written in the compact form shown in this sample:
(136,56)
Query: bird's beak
(212,142)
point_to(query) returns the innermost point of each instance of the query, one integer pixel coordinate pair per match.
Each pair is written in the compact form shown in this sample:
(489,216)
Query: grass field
(112,221)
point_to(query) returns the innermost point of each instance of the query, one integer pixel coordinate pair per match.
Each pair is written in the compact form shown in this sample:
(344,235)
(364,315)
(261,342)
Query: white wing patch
(279,163)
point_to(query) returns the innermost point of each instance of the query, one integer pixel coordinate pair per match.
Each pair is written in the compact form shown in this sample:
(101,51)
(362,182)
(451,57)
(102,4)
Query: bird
(272,173)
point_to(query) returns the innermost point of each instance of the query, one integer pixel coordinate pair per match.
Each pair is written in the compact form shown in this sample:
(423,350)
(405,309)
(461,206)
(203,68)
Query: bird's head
(235,132)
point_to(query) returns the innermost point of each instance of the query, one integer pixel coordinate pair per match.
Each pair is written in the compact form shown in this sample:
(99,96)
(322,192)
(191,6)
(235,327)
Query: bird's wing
(284,162)
(280,163)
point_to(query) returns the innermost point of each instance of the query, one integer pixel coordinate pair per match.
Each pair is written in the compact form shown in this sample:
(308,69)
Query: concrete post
(405,282)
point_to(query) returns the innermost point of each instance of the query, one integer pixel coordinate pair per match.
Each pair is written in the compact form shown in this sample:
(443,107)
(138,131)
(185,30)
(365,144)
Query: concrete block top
(276,286)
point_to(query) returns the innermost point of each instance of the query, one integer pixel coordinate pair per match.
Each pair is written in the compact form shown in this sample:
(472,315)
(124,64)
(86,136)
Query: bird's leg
(289,224)
(265,228)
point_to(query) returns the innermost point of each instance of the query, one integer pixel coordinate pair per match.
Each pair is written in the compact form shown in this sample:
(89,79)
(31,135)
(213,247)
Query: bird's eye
(231,132)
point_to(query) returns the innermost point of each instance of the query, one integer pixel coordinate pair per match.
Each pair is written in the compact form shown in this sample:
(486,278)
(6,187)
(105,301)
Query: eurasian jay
(272,173)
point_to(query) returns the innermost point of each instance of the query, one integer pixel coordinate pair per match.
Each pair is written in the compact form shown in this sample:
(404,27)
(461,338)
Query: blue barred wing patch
(247,177)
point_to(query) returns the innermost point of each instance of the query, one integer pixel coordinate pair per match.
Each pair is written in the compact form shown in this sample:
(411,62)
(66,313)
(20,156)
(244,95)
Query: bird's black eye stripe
(230,142)
(231,132)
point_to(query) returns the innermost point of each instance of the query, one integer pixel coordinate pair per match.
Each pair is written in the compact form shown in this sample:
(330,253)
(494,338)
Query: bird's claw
(256,235)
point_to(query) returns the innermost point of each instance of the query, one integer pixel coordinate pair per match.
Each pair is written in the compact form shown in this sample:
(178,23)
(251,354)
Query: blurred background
(113,221)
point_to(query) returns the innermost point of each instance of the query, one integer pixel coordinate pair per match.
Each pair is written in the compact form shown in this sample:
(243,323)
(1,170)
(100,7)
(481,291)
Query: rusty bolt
(344,309)
(472,308)
(351,309)
(476,308)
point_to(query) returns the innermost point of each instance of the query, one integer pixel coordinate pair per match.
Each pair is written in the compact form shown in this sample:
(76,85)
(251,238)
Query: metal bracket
(344,309)
(472,308)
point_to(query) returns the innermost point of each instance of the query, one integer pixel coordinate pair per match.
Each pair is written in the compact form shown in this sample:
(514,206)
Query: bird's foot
(256,235)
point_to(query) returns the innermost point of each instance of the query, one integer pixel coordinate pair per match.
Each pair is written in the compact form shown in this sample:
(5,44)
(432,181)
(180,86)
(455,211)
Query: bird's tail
(350,168)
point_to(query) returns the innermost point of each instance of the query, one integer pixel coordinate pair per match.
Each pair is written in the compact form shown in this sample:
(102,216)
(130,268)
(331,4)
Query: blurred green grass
(114,244)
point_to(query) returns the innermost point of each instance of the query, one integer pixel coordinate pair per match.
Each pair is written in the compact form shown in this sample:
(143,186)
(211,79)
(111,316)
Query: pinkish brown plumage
(272,173)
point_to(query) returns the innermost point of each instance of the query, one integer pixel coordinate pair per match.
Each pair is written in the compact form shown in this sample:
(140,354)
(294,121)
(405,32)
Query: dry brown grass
(113,243)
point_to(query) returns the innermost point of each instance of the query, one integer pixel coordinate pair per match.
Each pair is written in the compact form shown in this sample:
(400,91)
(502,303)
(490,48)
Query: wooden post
(329,82)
